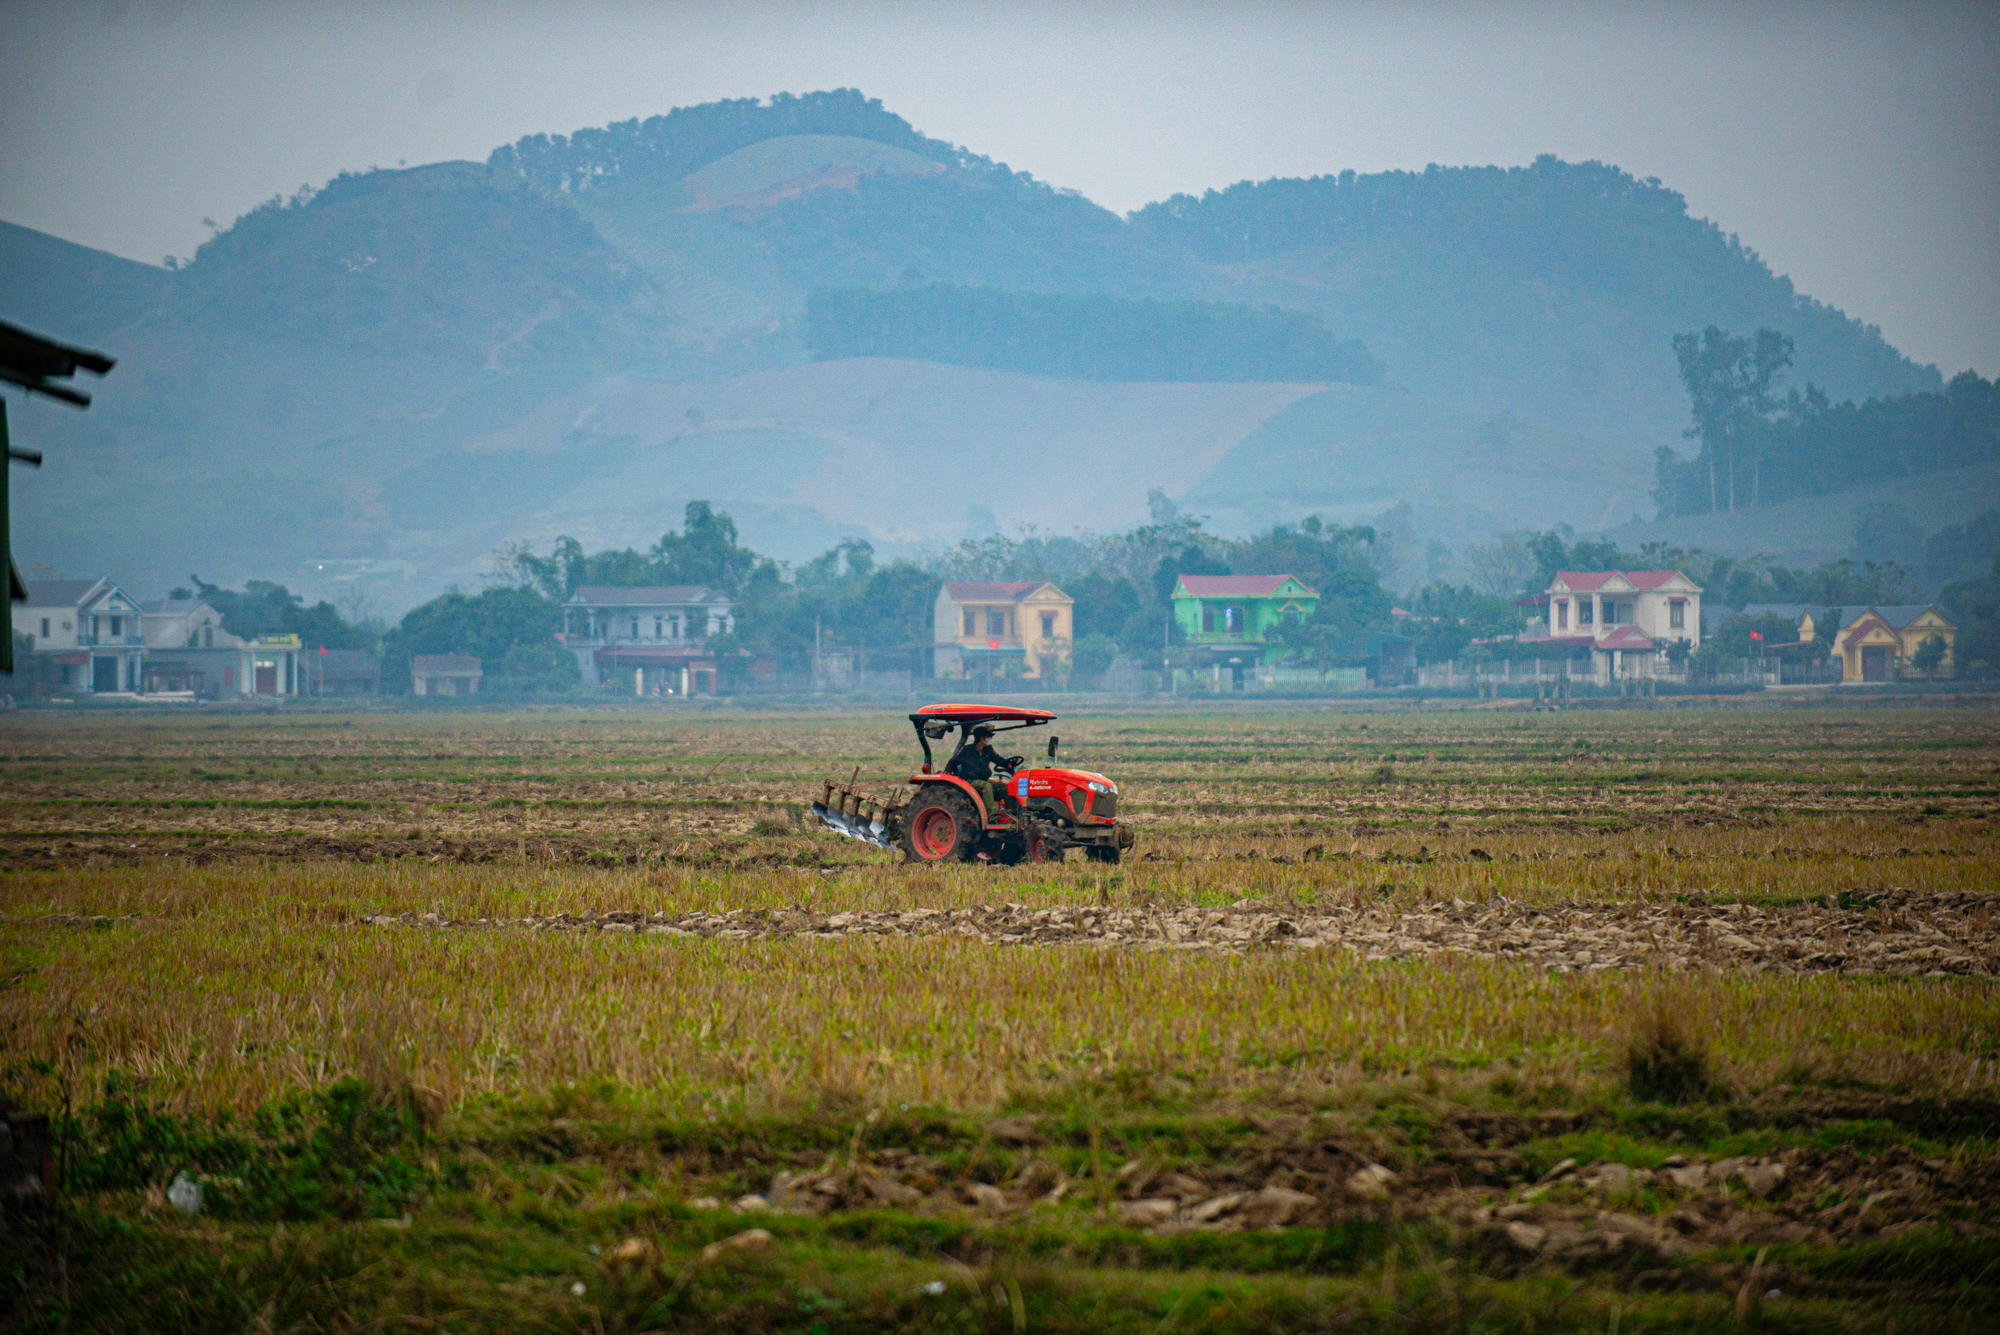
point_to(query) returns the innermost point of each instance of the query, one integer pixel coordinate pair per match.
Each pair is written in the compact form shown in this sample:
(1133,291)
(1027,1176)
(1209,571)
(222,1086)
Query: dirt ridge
(1899,932)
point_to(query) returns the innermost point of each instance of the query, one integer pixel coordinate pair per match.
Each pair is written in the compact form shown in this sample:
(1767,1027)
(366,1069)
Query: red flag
(322,648)
(1755,635)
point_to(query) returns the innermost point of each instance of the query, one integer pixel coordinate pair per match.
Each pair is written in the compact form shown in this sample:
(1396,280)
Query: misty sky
(1856,147)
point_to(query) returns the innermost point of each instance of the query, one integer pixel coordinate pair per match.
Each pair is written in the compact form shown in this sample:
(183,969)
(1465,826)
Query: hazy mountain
(329,376)
(72,292)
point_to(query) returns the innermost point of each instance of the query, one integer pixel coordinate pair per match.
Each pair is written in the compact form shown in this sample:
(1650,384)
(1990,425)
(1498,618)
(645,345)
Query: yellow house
(1880,643)
(980,629)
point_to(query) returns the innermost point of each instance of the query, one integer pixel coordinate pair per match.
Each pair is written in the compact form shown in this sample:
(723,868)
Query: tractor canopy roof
(982,714)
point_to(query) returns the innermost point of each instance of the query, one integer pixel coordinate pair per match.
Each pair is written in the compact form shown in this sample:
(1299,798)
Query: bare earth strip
(1898,932)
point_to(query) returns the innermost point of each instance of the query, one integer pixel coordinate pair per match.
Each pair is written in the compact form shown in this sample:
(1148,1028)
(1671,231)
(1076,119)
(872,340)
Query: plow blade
(872,832)
(854,814)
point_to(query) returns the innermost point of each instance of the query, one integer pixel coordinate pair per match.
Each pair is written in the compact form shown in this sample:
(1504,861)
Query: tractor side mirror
(1053,739)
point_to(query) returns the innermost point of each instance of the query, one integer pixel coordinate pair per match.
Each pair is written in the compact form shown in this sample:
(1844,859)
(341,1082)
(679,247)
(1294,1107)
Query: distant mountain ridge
(1549,290)
(328,353)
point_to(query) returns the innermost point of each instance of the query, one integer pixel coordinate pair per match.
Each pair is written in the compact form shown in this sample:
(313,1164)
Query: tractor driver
(977,764)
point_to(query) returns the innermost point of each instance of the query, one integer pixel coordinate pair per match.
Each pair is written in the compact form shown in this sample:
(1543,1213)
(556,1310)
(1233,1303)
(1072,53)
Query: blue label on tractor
(1021,785)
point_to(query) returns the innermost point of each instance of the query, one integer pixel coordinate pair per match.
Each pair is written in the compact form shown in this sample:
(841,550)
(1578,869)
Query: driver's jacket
(974,764)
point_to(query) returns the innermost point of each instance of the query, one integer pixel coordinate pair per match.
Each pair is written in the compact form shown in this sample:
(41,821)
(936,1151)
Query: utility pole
(36,364)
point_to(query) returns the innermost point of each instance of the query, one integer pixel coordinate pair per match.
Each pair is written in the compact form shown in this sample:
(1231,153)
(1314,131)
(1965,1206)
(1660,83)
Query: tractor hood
(1042,781)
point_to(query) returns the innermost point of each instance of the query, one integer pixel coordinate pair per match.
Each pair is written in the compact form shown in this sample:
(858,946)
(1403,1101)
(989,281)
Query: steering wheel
(1012,762)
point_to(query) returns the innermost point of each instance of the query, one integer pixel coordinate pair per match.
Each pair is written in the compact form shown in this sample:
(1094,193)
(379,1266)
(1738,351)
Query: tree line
(1756,448)
(1083,337)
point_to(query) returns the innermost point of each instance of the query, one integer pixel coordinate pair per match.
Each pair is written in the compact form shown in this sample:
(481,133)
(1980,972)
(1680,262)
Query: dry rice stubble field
(1430,942)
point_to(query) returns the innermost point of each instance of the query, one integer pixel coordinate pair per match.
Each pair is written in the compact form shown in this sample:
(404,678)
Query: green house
(1239,615)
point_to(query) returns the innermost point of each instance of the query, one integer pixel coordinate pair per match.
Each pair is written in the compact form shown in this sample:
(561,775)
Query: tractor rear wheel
(939,826)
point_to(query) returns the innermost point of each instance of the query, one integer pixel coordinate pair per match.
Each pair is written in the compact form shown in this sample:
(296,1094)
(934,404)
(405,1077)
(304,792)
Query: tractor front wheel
(1031,842)
(1099,853)
(939,826)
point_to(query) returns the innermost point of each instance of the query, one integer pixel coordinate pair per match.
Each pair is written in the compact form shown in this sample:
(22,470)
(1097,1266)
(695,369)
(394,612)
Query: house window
(1048,625)
(1232,618)
(1562,615)
(659,627)
(1584,611)
(635,628)
(971,622)
(208,637)
(996,623)
(45,628)
(1676,616)
(1208,618)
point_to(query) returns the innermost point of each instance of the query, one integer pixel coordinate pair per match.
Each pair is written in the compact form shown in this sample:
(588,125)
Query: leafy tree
(1335,560)
(1837,582)
(1150,634)
(1732,637)
(546,667)
(1446,618)
(489,626)
(1885,532)
(1507,564)
(262,607)
(1193,559)
(1731,383)
(1929,655)
(1093,655)
(1974,605)
(1103,605)
(705,552)
(1961,551)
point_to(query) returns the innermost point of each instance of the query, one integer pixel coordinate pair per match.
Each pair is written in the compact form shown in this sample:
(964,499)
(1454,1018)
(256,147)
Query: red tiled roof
(1589,581)
(991,590)
(1236,586)
(1627,637)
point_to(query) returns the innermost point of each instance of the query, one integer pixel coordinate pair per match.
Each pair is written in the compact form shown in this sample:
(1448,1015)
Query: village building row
(105,643)
(1627,619)
(664,640)
(1228,628)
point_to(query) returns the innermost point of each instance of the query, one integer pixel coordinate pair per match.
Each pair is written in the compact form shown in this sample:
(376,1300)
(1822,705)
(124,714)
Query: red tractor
(1041,812)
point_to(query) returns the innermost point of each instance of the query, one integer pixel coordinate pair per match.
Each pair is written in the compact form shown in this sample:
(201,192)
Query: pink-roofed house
(990,628)
(1626,617)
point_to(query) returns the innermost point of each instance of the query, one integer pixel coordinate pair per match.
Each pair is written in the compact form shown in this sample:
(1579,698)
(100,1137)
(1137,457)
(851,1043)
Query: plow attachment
(845,810)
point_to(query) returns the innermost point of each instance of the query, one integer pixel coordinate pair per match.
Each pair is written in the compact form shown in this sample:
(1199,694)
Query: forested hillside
(314,383)
(452,262)
(1550,290)
(1812,447)
(1083,338)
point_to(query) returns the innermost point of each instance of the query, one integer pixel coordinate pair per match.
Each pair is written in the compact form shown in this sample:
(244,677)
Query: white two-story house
(655,636)
(93,629)
(1626,617)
